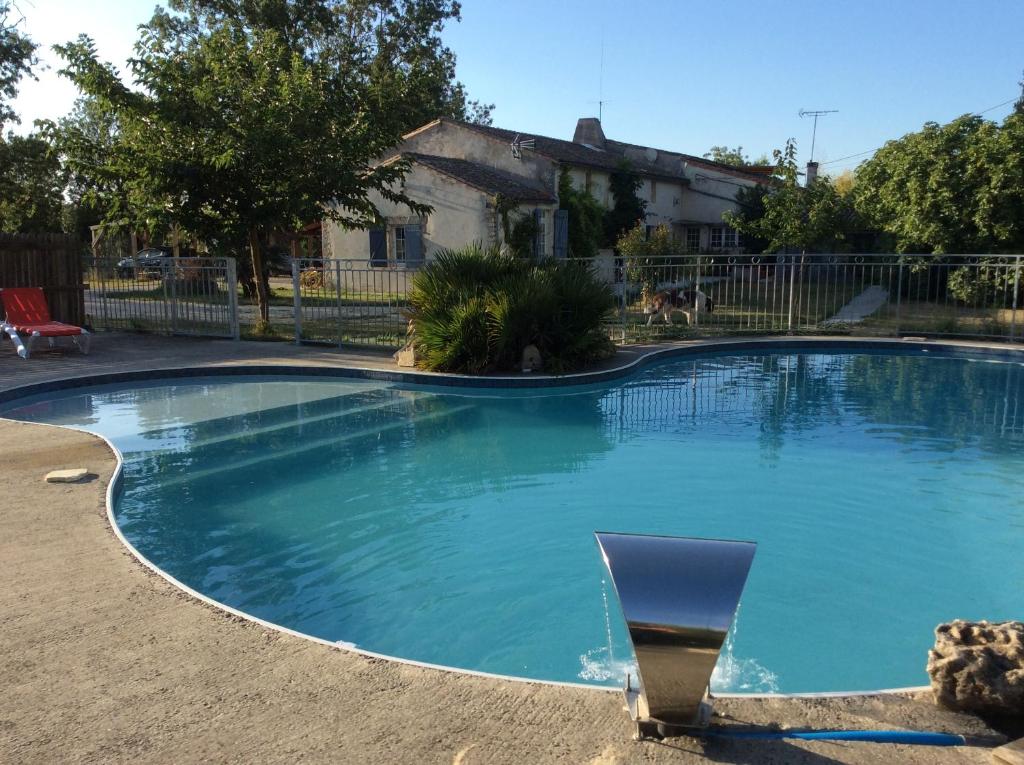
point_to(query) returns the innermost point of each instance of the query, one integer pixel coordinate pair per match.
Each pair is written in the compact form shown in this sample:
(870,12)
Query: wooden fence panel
(50,261)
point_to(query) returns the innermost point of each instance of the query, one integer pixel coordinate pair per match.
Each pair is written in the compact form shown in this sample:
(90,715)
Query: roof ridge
(483,177)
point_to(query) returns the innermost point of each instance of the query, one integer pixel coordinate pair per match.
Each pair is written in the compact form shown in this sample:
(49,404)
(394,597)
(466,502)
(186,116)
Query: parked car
(148,262)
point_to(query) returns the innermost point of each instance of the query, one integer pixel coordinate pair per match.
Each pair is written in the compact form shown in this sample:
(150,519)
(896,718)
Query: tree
(397,49)
(83,140)
(31,185)
(255,117)
(953,188)
(815,217)
(17,57)
(750,207)
(628,208)
(585,217)
(736,157)
(653,260)
(844,182)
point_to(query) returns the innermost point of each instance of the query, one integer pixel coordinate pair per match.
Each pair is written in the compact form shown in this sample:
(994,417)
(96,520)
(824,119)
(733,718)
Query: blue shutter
(378,247)
(413,245)
(538,239)
(561,233)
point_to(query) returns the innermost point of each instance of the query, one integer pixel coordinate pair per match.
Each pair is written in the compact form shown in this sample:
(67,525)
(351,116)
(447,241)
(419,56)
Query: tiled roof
(611,156)
(484,178)
(721,167)
(572,153)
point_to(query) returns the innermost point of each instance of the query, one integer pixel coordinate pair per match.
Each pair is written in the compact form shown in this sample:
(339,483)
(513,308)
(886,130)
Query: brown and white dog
(690,303)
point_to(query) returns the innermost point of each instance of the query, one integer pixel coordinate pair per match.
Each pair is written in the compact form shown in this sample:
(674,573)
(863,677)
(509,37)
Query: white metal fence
(978,296)
(349,302)
(353,302)
(173,296)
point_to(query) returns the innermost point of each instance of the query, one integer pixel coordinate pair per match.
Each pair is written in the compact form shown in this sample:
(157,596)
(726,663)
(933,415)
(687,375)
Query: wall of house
(452,140)
(665,201)
(668,203)
(460,216)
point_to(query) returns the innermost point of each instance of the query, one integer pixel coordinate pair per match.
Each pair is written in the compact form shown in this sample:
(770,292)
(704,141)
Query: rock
(531,359)
(74,475)
(405,357)
(979,667)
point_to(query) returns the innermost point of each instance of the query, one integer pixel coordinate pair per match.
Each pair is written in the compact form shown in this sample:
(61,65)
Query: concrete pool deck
(101,660)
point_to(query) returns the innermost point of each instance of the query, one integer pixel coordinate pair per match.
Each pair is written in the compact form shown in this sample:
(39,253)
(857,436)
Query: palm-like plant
(474,310)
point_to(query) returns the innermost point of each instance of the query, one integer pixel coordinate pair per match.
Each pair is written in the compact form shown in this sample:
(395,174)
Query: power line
(872,151)
(1004,103)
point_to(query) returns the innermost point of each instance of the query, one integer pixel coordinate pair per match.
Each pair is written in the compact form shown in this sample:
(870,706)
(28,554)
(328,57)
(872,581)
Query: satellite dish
(651,154)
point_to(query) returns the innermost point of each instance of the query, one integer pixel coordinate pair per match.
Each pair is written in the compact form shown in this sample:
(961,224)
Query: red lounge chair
(28,315)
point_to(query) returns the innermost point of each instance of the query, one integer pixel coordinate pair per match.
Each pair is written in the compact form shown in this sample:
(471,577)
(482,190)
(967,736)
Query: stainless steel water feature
(678,596)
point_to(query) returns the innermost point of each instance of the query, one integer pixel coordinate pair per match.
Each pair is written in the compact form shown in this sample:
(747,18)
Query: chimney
(588,131)
(812,173)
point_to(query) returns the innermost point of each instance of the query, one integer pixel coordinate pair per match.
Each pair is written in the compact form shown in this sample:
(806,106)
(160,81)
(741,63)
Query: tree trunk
(256,255)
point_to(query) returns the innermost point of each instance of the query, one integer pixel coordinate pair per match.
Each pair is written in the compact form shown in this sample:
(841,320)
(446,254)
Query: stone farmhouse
(460,169)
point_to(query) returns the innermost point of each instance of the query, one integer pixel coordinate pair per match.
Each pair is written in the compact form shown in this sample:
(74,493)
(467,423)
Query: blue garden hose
(874,736)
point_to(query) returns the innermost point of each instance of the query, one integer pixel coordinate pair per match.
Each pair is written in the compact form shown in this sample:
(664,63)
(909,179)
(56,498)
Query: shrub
(474,310)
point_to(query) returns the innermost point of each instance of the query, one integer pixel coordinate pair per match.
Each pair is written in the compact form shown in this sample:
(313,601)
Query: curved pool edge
(682,349)
(115,486)
(1001,352)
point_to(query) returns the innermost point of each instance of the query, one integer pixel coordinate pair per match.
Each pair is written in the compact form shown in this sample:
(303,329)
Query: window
(400,244)
(692,238)
(654,191)
(716,237)
(730,238)
(648,230)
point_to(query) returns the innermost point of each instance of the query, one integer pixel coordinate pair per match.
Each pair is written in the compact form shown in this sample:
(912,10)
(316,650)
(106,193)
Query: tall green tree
(750,207)
(83,141)
(585,217)
(946,188)
(250,117)
(735,157)
(30,178)
(628,209)
(17,57)
(811,218)
(31,186)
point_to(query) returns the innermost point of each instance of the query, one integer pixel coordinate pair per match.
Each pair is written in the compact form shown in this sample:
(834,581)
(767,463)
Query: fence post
(337,288)
(792,281)
(899,293)
(297,300)
(165,284)
(102,278)
(625,292)
(169,275)
(231,278)
(1016,287)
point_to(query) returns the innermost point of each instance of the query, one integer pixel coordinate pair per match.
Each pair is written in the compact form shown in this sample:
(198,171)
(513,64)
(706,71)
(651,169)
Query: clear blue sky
(681,74)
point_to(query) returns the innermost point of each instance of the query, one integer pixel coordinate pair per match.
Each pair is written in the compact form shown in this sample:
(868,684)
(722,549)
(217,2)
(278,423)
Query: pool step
(279,454)
(281,426)
(283,413)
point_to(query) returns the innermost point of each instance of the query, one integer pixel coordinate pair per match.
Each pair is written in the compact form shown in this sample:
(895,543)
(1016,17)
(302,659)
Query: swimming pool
(454,526)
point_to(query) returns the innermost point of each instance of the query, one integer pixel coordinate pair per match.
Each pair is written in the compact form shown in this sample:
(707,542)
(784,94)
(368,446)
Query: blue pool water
(455,527)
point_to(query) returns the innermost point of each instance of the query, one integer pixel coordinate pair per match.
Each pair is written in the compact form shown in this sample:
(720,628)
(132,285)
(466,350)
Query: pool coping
(949,348)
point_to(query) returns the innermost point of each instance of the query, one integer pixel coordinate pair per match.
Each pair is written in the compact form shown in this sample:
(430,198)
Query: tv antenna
(600,107)
(518,144)
(815,113)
